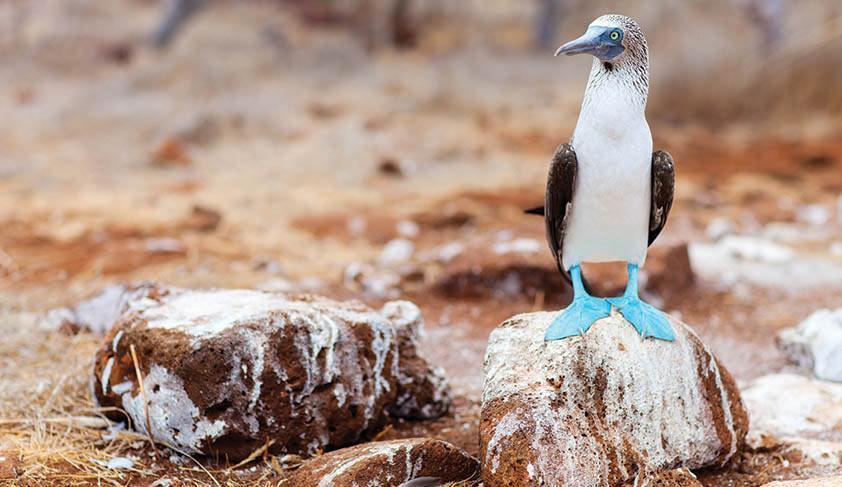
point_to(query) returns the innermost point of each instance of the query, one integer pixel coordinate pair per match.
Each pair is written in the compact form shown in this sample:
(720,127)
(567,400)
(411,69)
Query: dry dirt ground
(258,153)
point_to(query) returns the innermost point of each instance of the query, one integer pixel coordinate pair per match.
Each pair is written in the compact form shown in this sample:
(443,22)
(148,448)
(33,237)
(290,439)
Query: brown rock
(423,391)
(668,269)
(171,152)
(598,409)
(203,219)
(224,371)
(388,463)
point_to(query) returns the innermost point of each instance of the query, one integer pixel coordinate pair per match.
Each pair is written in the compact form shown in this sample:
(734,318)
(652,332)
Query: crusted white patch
(173,418)
(123,387)
(116,341)
(256,349)
(106,374)
(505,427)
(651,399)
(340,394)
(208,312)
(388,450)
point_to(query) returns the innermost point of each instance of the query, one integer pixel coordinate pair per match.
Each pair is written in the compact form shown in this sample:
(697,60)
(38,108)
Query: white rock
(408,228)
(450,251)
(593,410)
(517,246)
(397,251)
(816,344)
(718,228)
(813,214)
(762,263)
(163,246)
(120,463)
(98,314)
(789,405)
(796,414)
(757,249)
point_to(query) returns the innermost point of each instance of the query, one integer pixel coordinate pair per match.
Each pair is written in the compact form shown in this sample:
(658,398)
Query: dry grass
(52,434)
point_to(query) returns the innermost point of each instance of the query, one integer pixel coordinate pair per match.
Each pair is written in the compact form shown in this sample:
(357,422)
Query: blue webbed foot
(645,318)
(577,318)
(581,314)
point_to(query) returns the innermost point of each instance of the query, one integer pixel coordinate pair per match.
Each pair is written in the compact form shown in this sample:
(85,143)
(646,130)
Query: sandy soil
(258,153)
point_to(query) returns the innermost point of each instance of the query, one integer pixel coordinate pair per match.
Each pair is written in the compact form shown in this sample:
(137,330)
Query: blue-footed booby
(608,195)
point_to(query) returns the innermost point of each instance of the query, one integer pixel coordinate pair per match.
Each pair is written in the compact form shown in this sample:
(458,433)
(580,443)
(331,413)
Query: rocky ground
(287,159)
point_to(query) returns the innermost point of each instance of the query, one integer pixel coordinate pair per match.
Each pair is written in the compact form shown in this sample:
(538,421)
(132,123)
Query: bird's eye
(614,35)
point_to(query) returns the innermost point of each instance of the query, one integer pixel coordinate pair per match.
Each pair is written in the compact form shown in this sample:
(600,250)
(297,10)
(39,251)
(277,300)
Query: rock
(817,482)
(202,219)
(99,313)
(668,270)
(518,246)
(171,152)
(396,252)
(424,392)
(797,415)
(756,249)
(225,371)
(598,409)
(816,344)
(388,463)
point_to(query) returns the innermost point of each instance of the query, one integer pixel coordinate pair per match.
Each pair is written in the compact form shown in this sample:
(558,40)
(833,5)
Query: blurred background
(376,149)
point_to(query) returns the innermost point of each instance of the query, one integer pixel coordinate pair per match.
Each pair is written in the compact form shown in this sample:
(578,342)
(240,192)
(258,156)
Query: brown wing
(663,188)
(561,182)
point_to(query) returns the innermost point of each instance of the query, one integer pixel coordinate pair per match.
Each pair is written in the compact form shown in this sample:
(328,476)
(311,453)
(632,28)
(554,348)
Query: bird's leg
(581,314)
(646,319)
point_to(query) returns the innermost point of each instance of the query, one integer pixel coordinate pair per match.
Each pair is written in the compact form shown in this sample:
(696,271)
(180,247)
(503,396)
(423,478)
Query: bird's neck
(615,95)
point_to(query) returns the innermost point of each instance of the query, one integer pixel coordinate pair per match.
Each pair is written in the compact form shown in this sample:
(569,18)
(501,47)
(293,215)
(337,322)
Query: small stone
(164,246)
(517,246)
(203,219)
(450,251)
(398,462)
(596,409)
(718,228)
(396,252)
(120,463)
(816,344)
(408,228)
(813,214)
(99,313)
(171,152)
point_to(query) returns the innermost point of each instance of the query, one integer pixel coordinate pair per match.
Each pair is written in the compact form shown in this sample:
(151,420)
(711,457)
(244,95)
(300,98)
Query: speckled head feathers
(636,50)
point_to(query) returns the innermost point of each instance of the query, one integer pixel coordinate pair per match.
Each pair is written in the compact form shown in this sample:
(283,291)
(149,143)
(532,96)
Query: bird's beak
(589,43)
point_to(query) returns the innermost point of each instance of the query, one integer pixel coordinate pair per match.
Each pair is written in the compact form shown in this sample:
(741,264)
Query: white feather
(609,220)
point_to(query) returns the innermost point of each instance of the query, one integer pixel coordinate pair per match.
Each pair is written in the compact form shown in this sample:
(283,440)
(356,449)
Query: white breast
(609,218)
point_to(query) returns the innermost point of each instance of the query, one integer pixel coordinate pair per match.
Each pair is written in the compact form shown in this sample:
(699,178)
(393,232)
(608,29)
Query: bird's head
(610,38)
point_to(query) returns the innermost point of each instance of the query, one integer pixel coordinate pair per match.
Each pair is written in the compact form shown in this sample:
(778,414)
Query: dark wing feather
(561,183)
(663,188)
